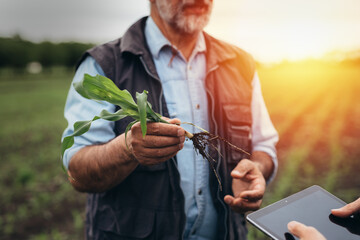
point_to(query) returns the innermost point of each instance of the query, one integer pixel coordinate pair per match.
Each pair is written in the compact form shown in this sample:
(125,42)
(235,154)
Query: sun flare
(280,30)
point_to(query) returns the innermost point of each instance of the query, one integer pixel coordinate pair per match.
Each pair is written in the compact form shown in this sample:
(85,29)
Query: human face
(186,16)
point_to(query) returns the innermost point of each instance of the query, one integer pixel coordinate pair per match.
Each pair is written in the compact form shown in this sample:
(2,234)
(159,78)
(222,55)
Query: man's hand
(162,142)
(304,232)
(248,186)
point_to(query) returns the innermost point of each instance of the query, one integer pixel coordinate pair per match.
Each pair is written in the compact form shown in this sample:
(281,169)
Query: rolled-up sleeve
(78,108)
(264,134)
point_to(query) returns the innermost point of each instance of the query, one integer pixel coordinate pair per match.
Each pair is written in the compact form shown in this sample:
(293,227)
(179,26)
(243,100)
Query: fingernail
(181,145)
(227,200)
(180,132)
(236,172)
(291,224)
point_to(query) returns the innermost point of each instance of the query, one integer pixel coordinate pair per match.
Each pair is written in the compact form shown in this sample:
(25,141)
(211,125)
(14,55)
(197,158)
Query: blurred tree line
(17,52)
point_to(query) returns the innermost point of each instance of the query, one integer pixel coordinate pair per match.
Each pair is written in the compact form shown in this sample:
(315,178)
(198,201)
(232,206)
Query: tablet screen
(312,207)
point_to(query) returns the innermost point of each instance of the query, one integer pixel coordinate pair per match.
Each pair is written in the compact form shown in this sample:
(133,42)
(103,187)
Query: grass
(35,200)
(315,107)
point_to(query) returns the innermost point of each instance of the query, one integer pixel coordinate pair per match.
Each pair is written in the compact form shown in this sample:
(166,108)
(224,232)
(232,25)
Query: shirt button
(197,106)
(200,192)
(190,67)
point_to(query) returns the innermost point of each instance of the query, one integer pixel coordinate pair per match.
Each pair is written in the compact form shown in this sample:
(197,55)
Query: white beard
(174,16)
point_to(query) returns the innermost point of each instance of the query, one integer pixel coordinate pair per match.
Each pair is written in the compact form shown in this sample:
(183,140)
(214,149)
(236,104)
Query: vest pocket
(129,223)
(238,131)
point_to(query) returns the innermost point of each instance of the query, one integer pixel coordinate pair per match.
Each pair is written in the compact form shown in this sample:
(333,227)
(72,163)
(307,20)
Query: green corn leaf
(80,89)
(128,127)
(120,114)
(132,113)
(82,127)
(102,88)
(67,143)
(142,103)
(151,114)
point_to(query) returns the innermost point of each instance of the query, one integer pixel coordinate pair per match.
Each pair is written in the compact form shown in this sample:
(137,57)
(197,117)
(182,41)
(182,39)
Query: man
(157,187)
(310,233)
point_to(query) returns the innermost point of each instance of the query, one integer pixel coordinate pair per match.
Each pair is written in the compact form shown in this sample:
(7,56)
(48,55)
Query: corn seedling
(100,88)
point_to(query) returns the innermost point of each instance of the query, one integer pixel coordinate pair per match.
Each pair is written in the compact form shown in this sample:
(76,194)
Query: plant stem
(189,135)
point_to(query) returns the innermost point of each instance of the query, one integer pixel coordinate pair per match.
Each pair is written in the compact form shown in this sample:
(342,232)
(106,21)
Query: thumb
(242,168)
(173,120)
(296,228)
(304,232)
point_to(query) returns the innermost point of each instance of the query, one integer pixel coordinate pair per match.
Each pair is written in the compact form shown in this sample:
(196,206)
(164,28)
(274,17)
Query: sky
(270,30)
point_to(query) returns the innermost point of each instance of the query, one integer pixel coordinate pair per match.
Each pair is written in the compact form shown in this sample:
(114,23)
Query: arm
(78,108)
(98,160)
(264,162)
(98,168)
(264,135)
(250,176)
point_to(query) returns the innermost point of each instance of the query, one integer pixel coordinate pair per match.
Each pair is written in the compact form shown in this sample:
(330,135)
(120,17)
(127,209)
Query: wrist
(263,162)
(259,166)
(124,150)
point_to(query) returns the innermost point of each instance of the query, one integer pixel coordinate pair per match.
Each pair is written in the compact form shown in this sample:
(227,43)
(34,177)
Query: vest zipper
(219,159)
(161,113)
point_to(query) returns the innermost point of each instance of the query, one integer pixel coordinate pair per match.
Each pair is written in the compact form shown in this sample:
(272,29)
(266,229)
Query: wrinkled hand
(248,187)
(304,232)
(162,142)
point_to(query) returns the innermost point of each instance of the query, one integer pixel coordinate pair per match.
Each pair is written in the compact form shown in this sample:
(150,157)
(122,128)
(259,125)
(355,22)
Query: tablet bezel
(252,217)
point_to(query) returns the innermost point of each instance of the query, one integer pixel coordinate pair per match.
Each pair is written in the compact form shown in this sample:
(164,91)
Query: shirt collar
(156,41)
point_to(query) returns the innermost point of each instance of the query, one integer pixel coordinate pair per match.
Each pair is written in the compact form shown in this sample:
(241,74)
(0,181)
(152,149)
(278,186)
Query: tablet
(312,207)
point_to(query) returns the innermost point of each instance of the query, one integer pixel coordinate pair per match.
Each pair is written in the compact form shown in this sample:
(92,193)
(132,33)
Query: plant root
(202,141)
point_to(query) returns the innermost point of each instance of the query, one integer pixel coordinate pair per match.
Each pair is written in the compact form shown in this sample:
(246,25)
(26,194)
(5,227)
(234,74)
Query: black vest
(149,203)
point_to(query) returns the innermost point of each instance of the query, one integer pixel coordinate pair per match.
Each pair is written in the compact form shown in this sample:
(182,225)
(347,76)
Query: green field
(315,107)
(36,202)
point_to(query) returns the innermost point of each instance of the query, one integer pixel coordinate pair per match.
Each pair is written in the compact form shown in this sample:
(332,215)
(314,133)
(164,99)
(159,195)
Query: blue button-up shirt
(185,96)
(184,92)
